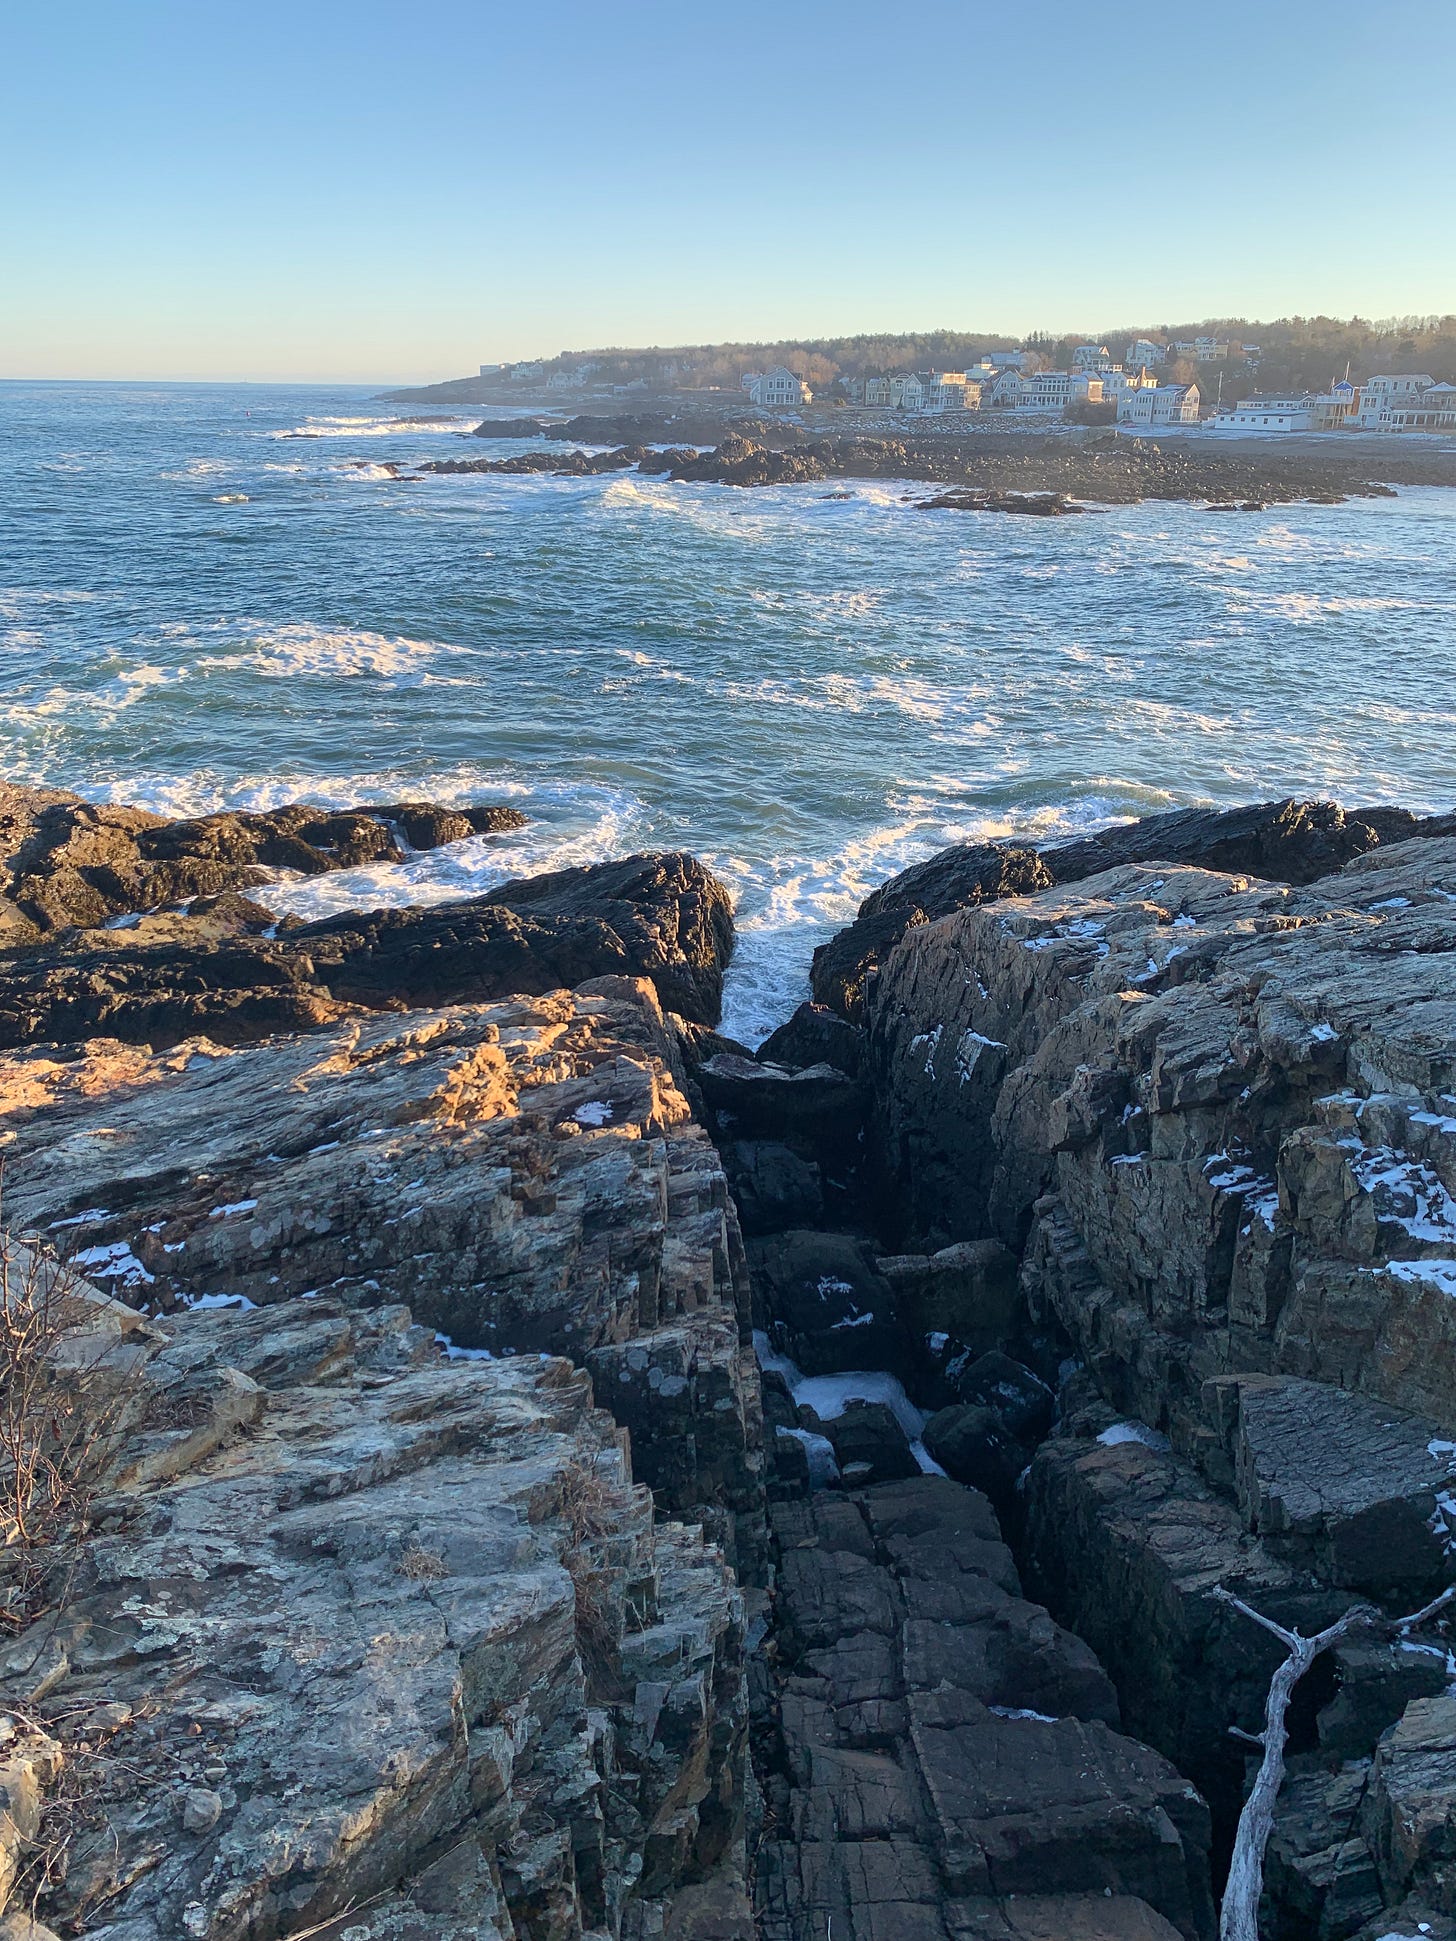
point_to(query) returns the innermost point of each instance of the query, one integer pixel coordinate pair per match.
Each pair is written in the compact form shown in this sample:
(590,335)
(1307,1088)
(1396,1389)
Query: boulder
(815,1035)
(823,1298)
(1020,1401)
(773,1187)
(868,1443)
(818,1110)
(973,1445)
(965,1293)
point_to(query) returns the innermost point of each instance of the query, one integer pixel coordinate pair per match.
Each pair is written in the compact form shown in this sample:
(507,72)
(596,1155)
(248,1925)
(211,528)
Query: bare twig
(1239,1918)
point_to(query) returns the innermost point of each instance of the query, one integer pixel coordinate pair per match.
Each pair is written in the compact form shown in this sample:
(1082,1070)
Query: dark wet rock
(869,1444)
(815,1035)
(66,861)
(826,1302)
(966,1292)
(972,1444)
(819,1107)
(950,1762)
(1019,1399)
(1045,505)
(774,1188)
(665,917)
(956,879)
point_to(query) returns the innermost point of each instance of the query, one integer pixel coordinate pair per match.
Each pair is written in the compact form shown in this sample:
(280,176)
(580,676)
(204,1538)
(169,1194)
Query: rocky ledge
(449,1562)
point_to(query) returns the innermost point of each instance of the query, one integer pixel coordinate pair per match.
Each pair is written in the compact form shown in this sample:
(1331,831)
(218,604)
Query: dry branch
(1239,1918)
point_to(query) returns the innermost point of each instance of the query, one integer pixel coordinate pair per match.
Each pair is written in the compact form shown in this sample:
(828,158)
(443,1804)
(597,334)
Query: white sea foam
(373,426)
(301,650)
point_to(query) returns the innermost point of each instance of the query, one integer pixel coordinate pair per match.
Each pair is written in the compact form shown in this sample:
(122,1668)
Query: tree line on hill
(1295,353)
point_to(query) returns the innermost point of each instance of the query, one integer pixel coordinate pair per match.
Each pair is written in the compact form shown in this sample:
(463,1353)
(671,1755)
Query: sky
(375,191)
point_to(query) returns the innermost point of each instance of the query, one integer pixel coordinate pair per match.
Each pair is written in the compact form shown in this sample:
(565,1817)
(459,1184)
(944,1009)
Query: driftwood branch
(1239,1919)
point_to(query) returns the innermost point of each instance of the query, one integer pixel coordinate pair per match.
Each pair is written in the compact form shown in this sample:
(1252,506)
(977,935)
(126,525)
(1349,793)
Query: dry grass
(422,1565)
(57,1415)
(592,1512)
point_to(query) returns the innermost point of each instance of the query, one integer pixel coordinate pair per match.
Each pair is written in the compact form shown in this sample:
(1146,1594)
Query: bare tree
(1239,1919)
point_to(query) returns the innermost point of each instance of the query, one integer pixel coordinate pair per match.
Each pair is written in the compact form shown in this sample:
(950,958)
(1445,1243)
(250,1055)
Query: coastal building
(1007,387)
(877,390)
(1434,409)
(491,370)
(1331,410)
(1045,391)
(1091,357)
(1381,398)
(907,393)
(1142,354)
(572,380)
(1203,350)
(777,389)
(526,373)
(1164,404)
(1116,384)
(951,391)
(1087,387)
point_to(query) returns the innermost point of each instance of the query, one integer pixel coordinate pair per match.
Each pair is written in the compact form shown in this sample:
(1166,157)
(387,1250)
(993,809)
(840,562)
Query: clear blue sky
(377,190)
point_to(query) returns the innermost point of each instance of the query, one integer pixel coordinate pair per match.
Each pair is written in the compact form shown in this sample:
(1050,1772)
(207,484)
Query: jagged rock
(1409,1812)
(64,861)
(663,917)
(949,1748)
(412,1643)
(1321,1875)
(526,1176)
(1286,842)
(815,1035)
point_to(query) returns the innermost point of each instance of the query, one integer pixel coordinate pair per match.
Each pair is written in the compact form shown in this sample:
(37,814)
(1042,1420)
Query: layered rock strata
(367,1641)
(1287,842)
(527,1176)
(946,1762)
(1215,1116)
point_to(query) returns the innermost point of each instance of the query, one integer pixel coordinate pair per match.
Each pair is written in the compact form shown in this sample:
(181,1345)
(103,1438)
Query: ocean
(218,595)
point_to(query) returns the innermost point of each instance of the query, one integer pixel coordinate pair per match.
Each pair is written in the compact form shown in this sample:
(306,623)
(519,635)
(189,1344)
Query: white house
(1045,391)
(523,373)
(1382,398)
(952,391)
(1007,387)
(1115,384)
(1143,353)
(1087,387)
(907,392)
(1091,357)
(877,390)
(491,370)
(778,389)
(1330,410)
(1433,410)
(1164,404)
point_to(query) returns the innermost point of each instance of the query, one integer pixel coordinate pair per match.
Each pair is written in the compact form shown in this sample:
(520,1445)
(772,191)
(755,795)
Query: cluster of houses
(1409,402)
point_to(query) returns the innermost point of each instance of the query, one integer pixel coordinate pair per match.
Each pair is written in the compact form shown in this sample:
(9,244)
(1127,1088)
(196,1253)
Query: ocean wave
(300,651)
(376,427)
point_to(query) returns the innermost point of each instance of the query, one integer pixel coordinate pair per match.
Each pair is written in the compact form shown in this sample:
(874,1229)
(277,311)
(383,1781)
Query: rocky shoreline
(560,1474)
(1105,469)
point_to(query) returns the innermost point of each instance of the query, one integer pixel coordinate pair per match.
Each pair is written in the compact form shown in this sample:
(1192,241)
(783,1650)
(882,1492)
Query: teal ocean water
(220,595)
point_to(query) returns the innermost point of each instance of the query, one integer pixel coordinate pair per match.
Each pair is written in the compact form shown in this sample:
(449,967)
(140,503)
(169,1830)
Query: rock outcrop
(1284,842)
(661,916)
(943,1759)
(66,862)
(1215,1117)
(368,1641)
(526,1176)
